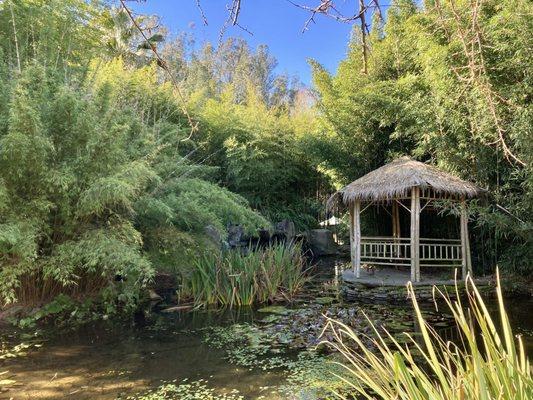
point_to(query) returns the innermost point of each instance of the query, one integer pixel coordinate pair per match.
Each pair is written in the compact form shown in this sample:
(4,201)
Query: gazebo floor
(389,284)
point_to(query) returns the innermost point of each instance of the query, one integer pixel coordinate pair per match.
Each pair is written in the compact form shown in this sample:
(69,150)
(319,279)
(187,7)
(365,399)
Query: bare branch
(327,8)
(202,14)
(234,12)
(163,64)
(362,10)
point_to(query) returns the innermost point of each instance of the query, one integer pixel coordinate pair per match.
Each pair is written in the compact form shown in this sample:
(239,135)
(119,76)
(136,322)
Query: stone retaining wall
(353,291)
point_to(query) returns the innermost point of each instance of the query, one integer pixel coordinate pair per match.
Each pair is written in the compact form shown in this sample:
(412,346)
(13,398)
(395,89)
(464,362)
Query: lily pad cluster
(309,375)
(303,328)
(289,338)
(186,390)
(246,345)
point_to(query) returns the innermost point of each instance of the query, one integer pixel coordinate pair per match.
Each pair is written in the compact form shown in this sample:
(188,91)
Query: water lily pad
(398,326)
(270,318)
(280,310)
(324,300)
(402,339)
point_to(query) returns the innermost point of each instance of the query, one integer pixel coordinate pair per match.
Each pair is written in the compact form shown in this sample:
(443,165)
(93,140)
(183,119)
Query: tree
(443,85)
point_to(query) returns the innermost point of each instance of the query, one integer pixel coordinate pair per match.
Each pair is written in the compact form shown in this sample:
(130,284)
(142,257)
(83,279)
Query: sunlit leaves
(445,79)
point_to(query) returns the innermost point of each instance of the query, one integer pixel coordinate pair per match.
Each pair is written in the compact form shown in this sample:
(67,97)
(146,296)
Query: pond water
(107,361)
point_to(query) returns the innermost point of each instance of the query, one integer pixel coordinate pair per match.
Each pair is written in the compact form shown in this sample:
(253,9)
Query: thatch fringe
(397,178)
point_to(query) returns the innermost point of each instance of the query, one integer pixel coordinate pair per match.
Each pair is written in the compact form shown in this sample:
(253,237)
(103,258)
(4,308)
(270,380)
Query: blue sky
(276,23)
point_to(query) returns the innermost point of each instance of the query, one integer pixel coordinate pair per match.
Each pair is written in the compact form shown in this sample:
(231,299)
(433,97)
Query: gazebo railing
(397,251)
(385,250)
(440,252)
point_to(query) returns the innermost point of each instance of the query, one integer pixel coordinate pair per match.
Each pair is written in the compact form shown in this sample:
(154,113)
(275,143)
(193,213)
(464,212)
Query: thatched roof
(396,179)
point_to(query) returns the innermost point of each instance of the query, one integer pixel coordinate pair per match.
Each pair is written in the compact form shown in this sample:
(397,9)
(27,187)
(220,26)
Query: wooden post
(352,243)
(396,232)
(356,246)
(415,234)
(466,262)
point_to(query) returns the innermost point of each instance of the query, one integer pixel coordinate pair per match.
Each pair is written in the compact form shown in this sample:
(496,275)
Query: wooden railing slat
(433,252)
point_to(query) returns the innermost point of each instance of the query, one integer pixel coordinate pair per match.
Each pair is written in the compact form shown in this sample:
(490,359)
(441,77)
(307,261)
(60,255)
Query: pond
(255,353)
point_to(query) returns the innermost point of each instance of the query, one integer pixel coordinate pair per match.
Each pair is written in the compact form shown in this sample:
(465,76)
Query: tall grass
(487,362)
(236,279)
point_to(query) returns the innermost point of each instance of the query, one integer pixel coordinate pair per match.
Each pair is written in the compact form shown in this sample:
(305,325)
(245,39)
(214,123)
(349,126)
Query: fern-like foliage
(95,186)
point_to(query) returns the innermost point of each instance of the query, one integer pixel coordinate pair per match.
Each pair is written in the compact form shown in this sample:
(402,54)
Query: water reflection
(106,360)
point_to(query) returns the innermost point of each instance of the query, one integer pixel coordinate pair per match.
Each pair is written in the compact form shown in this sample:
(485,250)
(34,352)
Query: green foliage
(447,83)
(489,362)
(185,390)
(172,250)
(70,210)
(99,179)
(64,311)
(17,239)
(59,305)
(237,279)
(253,127)
(101,183)
(262,158)
(191,204)
(61,33)
(119,190)
(93,161)
(174,221)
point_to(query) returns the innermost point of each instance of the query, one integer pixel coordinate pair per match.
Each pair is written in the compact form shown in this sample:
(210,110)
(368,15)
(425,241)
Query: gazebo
(413,186)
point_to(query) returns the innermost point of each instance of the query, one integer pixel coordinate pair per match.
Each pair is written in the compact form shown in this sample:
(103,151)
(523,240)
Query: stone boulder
(153,296)
(165,285)
(264,236)
(235,235)
(285,230)
(321,243)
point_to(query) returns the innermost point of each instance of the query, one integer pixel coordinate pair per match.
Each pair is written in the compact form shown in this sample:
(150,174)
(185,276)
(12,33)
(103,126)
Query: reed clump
(234,278)
(487,362)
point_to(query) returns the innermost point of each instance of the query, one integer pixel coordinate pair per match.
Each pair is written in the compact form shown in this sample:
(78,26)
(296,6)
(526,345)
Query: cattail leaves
(487,362)
(237,279)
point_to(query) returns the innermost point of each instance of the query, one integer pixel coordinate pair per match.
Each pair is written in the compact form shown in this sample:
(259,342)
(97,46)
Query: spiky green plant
(487,362)
(234,278)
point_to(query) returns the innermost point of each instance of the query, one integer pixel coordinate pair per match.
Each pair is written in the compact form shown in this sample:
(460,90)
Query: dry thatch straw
(397,178)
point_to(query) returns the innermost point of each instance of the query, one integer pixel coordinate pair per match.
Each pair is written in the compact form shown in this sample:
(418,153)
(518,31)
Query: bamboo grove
(102,184)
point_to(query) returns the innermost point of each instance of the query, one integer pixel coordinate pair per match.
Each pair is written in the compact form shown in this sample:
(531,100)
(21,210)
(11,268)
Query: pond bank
(259,354)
